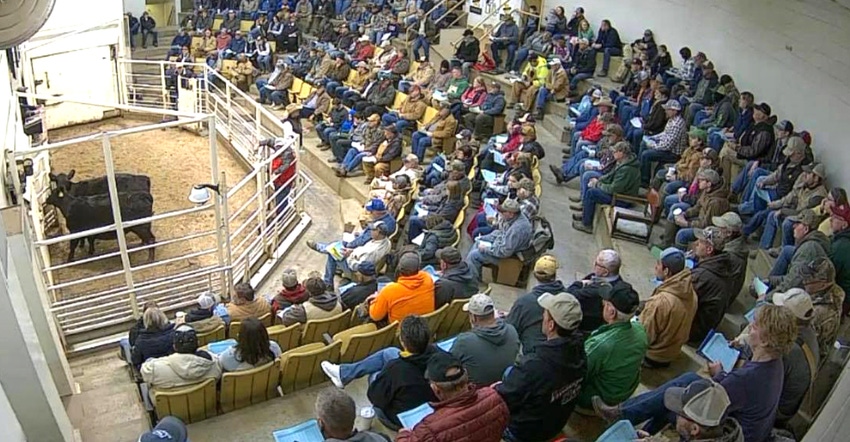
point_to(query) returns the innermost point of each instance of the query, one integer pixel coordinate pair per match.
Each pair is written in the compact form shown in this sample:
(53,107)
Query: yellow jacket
(537,74)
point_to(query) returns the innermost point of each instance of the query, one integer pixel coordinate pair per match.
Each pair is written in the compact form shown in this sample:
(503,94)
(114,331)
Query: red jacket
(285,174)
(475,416)
(593,131)
(474,96)
(514,141)
(363,52)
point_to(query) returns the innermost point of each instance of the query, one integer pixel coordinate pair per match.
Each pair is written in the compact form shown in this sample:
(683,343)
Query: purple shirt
(754,391)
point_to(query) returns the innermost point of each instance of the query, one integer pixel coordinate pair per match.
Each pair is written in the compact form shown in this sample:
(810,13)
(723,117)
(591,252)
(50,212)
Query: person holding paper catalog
(669,312)
(461,412)
(512,235)
(348,258)
(754,388)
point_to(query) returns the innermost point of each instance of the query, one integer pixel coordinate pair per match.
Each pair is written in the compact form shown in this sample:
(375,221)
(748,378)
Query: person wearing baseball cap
(490,347)
(810,244)
(482,119)
(187,365)
(526,315)
(700,409)
(615,350)
(512,236)
(752,143)
(460,410)
(624,178)
(669,312)
(291,292)
(667,146)
(203,318)
(754,388)
(807,193)
(818,279)
(584,64)
(713,276)
(373,251)
(456,278)
(554,373)
(839,222)
(712,200)
(377,211)
(168,429)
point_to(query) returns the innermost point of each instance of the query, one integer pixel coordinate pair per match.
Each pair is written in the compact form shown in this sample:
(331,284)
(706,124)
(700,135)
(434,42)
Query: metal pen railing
(481,24)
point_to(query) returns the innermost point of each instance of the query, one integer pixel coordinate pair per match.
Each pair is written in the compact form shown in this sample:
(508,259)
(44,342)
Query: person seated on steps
(555,88)
(377,162)
(600,189)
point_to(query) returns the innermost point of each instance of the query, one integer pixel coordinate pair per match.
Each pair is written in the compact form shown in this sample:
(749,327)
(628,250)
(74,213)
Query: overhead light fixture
(200,193)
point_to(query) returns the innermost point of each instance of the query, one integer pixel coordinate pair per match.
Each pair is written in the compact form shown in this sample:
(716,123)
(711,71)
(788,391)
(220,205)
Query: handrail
(481,23)
(449,11)
(427,14)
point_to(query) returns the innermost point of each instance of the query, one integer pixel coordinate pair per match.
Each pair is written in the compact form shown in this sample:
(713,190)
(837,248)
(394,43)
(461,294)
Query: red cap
(842,212)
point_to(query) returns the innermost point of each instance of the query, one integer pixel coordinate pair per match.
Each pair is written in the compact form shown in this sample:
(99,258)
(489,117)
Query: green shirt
(456,87)
(614,354)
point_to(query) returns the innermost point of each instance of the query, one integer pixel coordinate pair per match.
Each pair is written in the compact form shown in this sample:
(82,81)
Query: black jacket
(198,314)
(526,315)
(402,386)
(713,279)
(435,239)
(357,294)
(457,282)
(541,389)
(656,120)
(585,62)
(609,39)
(757,143)
(468,52)
(591,302)
(153,344)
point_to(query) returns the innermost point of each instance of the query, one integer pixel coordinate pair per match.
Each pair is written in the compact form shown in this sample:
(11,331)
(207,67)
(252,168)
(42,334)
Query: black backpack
(542,240)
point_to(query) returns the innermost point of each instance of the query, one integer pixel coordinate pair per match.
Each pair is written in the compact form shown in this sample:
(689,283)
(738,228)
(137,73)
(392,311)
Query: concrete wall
(12,431)
(792,54)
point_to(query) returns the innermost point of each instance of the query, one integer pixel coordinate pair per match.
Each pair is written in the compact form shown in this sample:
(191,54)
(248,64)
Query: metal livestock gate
(255,221)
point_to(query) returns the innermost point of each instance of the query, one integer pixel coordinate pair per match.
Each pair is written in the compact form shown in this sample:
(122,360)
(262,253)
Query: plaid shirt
(689,67)
(675,136)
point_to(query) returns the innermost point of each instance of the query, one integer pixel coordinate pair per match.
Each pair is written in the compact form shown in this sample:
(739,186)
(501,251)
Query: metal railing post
(119,225)
(225,216)
(214,173)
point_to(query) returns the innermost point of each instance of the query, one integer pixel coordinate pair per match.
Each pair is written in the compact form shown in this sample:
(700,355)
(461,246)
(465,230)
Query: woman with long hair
(253,348)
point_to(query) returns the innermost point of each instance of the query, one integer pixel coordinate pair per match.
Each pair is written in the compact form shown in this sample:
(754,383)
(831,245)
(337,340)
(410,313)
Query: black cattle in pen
(90,212)
(125,182)
(98,186)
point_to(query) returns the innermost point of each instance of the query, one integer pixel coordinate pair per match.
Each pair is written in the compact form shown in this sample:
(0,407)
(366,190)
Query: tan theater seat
(240,389)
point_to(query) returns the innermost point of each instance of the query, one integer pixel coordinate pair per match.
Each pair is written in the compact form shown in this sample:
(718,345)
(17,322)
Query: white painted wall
(137,7)
(72,55)
(792,54)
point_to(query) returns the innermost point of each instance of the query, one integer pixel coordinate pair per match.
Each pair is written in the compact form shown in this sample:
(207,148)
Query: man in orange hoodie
(411,294)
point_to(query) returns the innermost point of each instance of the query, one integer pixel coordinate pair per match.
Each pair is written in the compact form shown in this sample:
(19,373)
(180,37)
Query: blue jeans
(330,268)
(476,260)
(497,46)
(756,221)
(265,92)
(341,6)
(607,53)
(400,124)
(585,178)
(332,87)
(419,143)
(324,130)
(134,30)
(650,405)
(700,116)
(572,167)
(421,43)
(591,197)
(124,345)
(432,175)
(771,225)
(416,226)
(482,227)
(352,159)
(578,78)
(404,86)
(278,97)
(265,62)
(521,56)
(543,94)
(648,156)
(780,266)
(372,364)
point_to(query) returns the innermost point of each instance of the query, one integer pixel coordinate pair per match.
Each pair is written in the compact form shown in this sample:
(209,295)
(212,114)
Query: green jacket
(625,178)
(456,87)
(840,256)
(614,354)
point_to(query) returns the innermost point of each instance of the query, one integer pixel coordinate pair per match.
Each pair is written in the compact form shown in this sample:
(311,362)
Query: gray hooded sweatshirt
(487,352)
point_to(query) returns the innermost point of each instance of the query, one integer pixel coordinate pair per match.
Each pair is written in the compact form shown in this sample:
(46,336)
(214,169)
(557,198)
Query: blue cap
(673,259)
(366,268)
(169,429)
(376,205)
